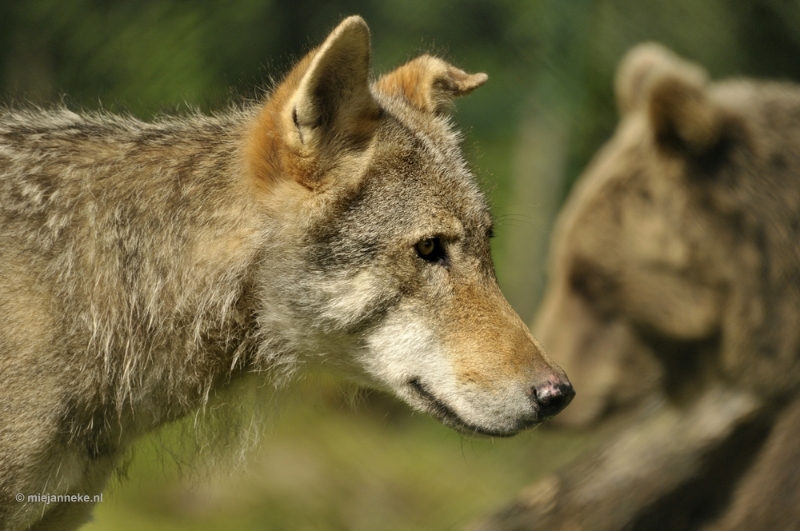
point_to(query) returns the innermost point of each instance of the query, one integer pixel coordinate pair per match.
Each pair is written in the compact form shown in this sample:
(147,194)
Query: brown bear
(674,293)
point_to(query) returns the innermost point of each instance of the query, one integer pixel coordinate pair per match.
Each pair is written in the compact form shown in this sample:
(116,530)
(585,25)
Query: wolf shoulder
(59,167)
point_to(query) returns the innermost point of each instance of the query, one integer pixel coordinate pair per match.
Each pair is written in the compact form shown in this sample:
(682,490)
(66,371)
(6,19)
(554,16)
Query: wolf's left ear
(429,83)
(321,111)
(333,100)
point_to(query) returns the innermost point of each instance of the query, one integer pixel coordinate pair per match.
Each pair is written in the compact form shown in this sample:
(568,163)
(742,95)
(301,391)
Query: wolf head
(378,261)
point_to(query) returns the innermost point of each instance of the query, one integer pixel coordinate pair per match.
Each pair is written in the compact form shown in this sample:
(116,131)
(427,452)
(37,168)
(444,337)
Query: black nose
(552,397)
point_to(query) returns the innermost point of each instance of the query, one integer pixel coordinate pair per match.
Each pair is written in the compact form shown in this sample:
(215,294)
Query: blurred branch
(656,474)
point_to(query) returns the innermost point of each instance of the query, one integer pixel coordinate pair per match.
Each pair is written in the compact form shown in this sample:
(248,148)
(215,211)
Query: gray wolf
(146,266)
(674,304)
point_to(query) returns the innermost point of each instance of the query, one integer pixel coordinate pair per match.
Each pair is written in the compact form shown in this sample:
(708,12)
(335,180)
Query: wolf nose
(552,397)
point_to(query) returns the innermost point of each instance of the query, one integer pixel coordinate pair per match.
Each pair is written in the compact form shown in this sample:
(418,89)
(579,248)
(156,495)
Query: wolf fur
(146,266)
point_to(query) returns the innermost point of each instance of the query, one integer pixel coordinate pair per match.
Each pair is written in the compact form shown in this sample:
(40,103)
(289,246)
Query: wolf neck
(158,286)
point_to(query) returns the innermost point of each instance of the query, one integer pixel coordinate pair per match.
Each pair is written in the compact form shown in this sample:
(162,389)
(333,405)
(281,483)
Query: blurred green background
(324,464)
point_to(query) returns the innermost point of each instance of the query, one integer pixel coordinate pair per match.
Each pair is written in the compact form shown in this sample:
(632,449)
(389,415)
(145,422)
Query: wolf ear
(320,112)
(333,100)
(674,94)
(429,83)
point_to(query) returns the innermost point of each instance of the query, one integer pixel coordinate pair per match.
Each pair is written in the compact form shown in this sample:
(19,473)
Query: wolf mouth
(447,416)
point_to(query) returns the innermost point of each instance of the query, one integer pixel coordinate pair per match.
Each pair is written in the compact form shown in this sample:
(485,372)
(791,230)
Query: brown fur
(147,267)
(517,350)
(681,240)
(674,291)
(427,71)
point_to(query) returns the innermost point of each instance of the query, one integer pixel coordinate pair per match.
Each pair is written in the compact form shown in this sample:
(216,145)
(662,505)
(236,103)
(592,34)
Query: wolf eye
(431,250)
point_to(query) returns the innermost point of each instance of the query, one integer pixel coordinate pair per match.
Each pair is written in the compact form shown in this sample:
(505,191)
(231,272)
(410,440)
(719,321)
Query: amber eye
(431,250)
(426,247)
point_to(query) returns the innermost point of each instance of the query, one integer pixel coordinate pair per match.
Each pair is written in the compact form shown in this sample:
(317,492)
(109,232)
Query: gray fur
(145,267)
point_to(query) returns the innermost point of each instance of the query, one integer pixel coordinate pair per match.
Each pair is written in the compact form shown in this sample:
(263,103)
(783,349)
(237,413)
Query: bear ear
(682,116)
(673,92)
(642,65)
(429,84)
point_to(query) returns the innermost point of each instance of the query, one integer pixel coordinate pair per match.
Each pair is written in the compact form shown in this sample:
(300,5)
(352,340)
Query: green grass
(324,464)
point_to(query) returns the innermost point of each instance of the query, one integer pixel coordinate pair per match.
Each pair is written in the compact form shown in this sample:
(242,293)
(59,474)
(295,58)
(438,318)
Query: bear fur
(674,295)
(677,257)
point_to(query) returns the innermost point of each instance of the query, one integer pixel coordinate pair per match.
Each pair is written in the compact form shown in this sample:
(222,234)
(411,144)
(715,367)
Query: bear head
(676,259)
